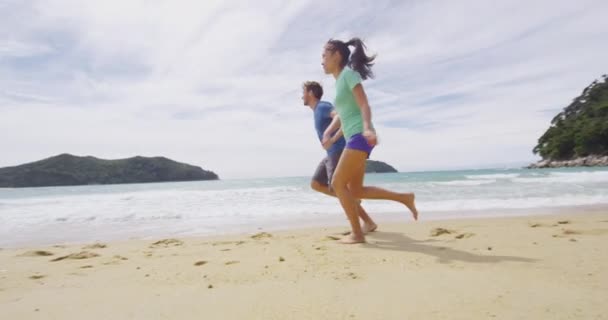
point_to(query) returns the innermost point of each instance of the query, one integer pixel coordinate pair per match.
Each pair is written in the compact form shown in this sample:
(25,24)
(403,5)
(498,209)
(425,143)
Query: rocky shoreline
(589,161)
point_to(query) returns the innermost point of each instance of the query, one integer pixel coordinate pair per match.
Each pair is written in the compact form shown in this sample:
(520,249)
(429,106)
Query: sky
(217,84)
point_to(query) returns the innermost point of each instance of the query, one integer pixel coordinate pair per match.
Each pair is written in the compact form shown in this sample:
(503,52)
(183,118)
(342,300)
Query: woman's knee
(356,191)
(338,184)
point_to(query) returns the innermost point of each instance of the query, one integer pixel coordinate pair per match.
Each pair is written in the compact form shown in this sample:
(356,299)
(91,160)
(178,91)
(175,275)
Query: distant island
(578,136)
(70,170)
(373,166)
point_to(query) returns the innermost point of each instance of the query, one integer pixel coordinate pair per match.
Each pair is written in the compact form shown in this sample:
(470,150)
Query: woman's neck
(336,73)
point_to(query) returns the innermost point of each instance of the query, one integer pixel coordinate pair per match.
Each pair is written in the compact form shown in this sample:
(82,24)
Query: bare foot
(351,239)
(369,227)
(409,200)
(366,227)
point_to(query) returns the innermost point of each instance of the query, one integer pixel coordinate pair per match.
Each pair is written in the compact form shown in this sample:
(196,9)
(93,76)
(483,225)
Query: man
(323,116)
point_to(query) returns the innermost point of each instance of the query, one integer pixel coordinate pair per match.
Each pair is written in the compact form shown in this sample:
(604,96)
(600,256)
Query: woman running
(355,118)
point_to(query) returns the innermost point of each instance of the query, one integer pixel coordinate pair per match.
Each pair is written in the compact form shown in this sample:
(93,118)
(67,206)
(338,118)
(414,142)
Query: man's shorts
(325,169)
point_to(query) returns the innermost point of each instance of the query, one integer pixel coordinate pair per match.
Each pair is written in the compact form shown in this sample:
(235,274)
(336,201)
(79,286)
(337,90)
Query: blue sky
(217,83)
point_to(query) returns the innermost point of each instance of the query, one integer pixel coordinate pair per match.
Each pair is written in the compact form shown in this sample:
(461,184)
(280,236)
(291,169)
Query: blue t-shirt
(323,118)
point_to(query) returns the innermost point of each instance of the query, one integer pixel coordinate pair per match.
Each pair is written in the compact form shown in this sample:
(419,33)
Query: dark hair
(358,60)
(315,87)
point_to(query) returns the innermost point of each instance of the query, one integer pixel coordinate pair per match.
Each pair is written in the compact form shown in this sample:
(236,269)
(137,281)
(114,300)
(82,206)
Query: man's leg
(320,180)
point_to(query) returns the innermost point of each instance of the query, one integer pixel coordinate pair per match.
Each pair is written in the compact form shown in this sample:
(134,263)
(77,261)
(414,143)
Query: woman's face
(330,59)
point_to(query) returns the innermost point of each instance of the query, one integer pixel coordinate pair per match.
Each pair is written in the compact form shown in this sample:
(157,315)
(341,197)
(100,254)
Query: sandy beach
(532,267)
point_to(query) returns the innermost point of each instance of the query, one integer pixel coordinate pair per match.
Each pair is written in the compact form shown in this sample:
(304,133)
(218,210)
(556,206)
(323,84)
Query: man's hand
(327,141)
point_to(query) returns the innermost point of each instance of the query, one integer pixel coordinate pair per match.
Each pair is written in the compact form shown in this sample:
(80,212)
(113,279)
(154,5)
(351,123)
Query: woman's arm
(366,113)
(363,104)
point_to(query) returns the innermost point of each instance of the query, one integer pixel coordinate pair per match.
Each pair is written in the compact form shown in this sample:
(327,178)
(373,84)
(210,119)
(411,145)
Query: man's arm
(329,137)
(334,125)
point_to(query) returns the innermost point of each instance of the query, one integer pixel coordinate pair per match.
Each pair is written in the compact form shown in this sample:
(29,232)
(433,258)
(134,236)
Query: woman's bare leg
(364,192)
(368,224)
(351,168)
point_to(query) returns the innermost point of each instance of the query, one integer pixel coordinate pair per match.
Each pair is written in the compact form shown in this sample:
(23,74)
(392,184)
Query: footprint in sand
(536,225)
(200,263)
(346,276)
(561,222)
(167,243)
(77,256)
(352,275)
(86,267)
(231,263)
(36,253)
(37,276)
(116,260)
(337,236)
(224,243)
(440,231)
(567,232)
(261,235)
(465,235)
(95,246)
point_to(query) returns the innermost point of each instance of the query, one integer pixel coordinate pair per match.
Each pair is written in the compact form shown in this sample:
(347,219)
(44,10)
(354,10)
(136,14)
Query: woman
(356,121)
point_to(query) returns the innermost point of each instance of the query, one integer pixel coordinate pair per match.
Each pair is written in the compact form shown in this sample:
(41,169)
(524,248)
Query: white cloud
(10,48)
(217,83)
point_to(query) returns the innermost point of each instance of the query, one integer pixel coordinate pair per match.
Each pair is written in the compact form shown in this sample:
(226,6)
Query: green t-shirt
(345,103)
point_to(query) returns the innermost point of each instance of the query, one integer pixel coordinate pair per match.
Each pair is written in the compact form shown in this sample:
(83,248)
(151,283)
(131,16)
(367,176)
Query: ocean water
(33,216)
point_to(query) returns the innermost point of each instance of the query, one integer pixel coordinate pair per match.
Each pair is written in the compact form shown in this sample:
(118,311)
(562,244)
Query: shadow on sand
(399,242)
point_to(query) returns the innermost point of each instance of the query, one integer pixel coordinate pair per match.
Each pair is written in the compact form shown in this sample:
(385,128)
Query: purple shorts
(358,142)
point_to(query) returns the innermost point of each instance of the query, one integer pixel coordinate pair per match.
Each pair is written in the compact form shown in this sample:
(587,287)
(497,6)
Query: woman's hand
(370,136)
